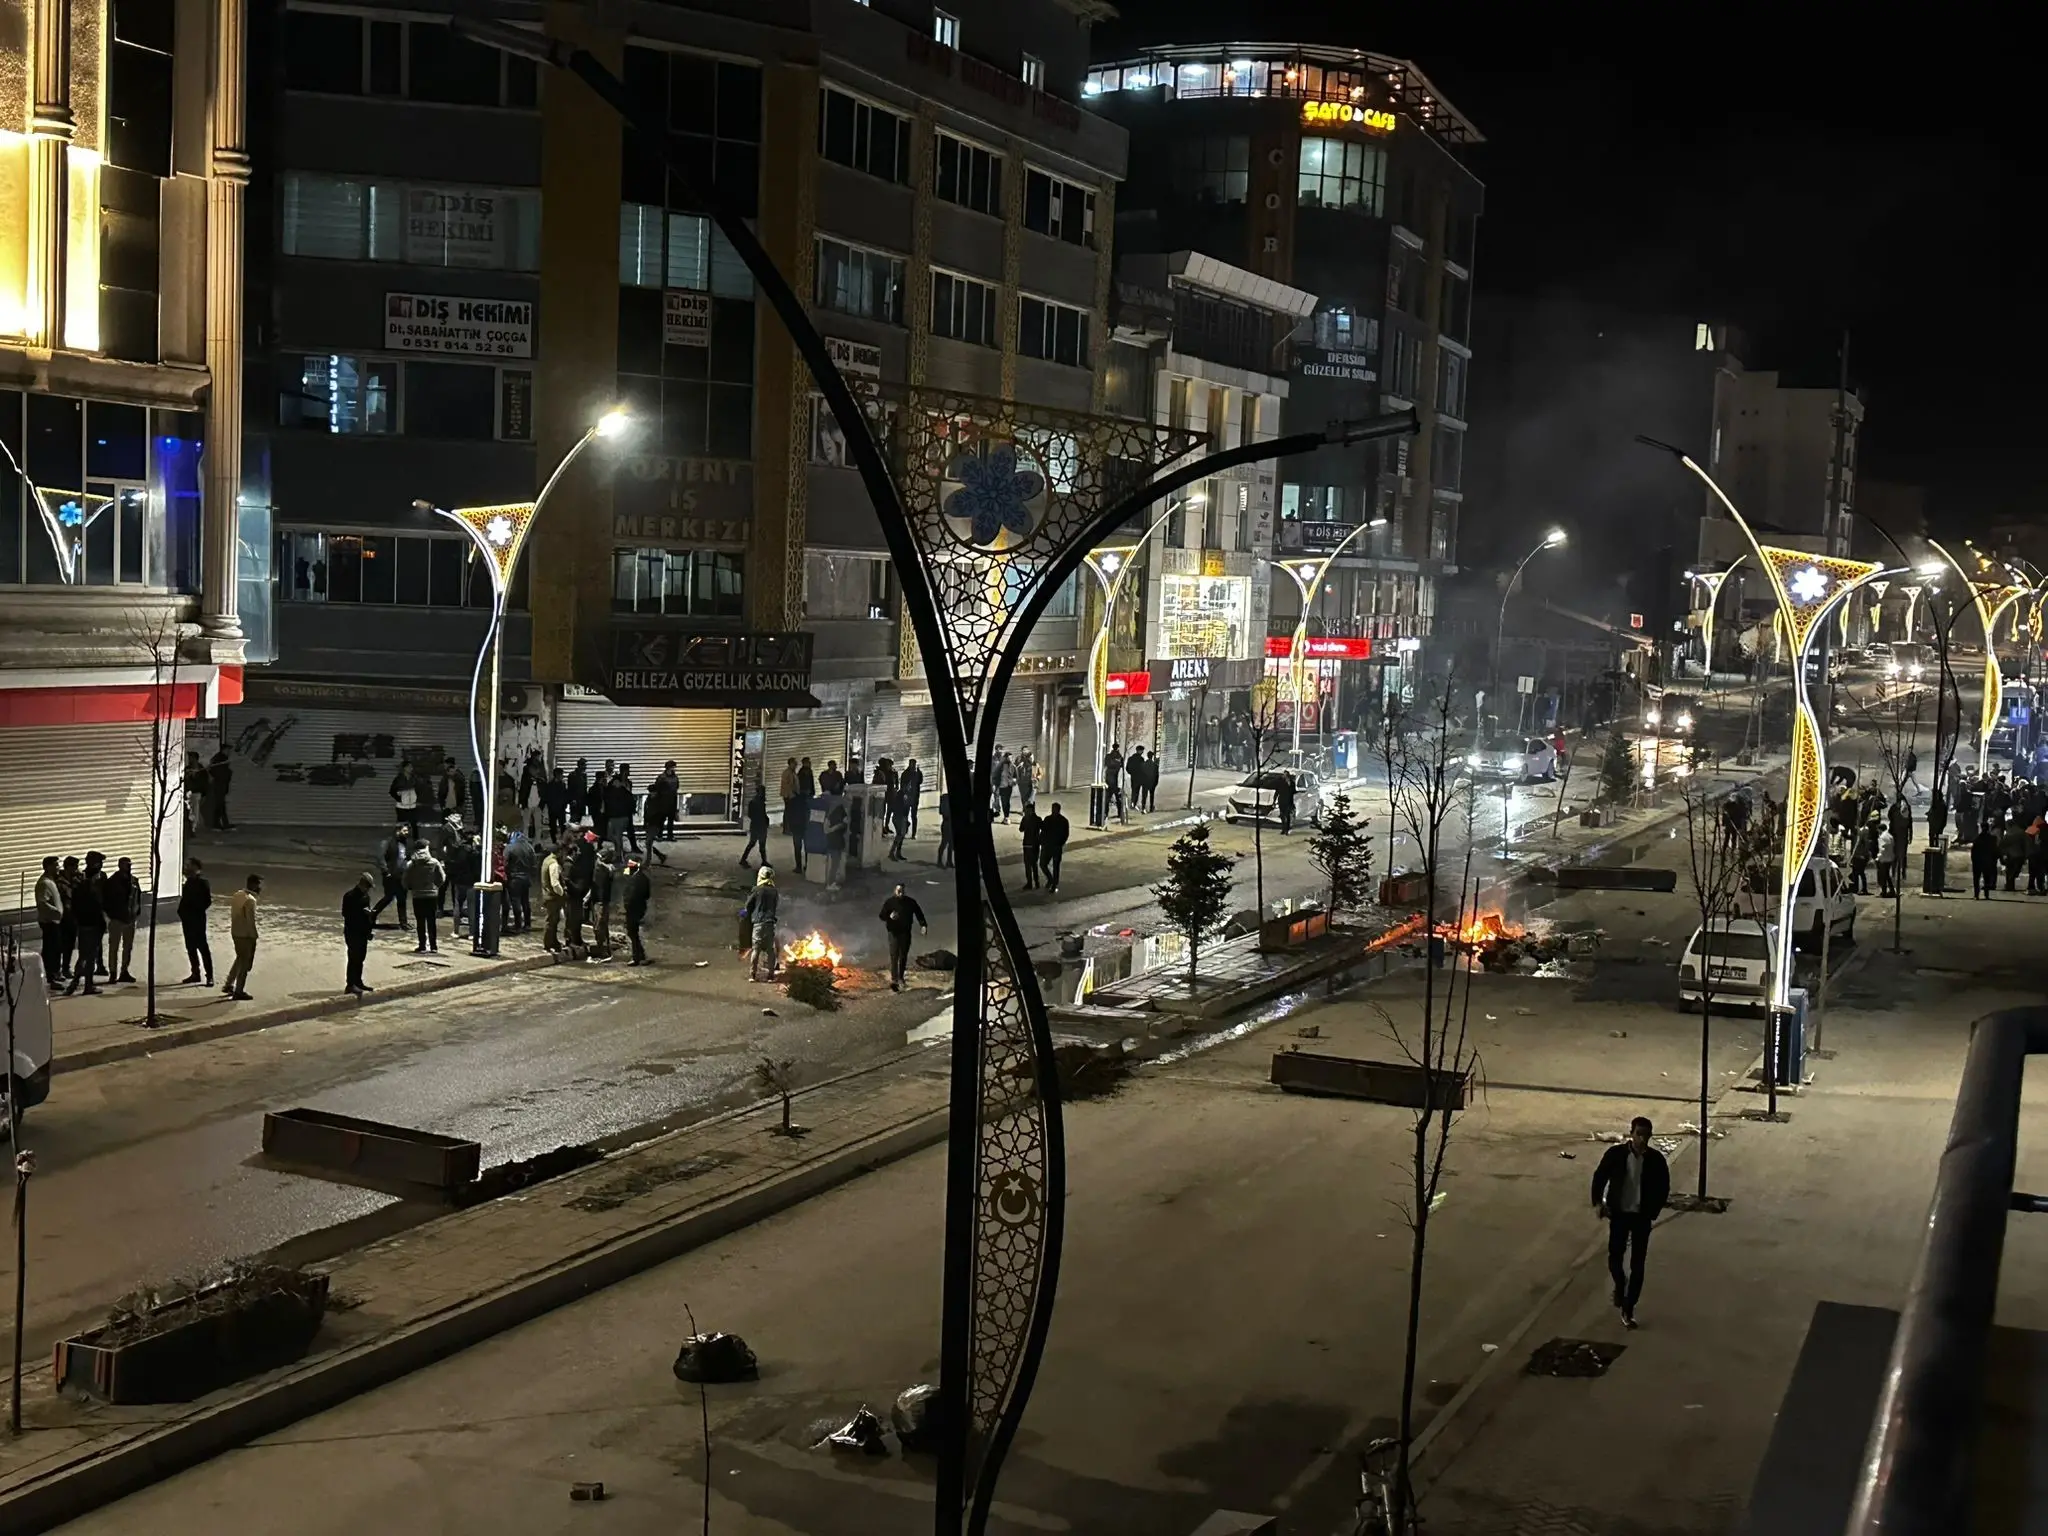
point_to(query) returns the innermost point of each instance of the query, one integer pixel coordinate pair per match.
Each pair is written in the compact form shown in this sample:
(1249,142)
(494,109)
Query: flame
(812,949)
(1481,929)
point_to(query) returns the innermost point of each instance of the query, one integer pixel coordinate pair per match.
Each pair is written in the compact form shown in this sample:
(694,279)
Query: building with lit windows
(132,549)
(467,264)
(1335,172)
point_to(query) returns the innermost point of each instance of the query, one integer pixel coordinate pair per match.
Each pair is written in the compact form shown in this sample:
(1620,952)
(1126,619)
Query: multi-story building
(1201,347)
(1786,456)
(471,263)
(123,599)
(1336,172)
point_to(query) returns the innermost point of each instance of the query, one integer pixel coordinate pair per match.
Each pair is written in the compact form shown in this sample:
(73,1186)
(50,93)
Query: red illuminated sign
(1322,647)
(1635,621)
(1127,684)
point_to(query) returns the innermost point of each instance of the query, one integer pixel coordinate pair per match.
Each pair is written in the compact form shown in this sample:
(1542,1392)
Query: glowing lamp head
(1554,539)
(1109,561)
(1305,570)
(614,424)
(1929,568)
(1808,584)
(498,531)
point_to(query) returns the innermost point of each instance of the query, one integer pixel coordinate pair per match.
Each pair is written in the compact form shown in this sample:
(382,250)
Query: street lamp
(1992,600)
(1713,581)
(1109,567)
(499,534)
(1307,576)
(1555,539)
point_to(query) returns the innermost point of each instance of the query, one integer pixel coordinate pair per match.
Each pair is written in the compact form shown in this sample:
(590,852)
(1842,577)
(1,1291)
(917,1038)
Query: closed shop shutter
(330,767)
(900,732)
(699,740)
(821,739)
(67,789)
(1018,727)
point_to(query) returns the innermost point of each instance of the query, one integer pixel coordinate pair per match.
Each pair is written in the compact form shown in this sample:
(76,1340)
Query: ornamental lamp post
(1307,576)
(499,535)
(1992,600)
(1555,539)
(1110,567)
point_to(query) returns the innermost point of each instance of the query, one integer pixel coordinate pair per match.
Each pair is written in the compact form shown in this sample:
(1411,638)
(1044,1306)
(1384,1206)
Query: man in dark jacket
(89,912)
(1029,827)
(220,777)
(601,904)
(635,891)
(1052,846)
(898,913)
(757,824)
(193,901)
(554,795)
(579,789)
(912,786)
(581,873)
(124,907)
(522,871)
(465,868)
(357,924)
(1629,1188)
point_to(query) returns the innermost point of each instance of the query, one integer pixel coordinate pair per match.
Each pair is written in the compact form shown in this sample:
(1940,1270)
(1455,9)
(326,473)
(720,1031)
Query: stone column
(227,185)
(50,127)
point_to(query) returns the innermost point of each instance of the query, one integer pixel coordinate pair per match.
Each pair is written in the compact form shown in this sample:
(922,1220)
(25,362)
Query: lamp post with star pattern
(499,534)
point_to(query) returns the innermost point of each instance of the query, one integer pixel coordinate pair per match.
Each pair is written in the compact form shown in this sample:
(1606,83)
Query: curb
(67,1493)
(146,1042)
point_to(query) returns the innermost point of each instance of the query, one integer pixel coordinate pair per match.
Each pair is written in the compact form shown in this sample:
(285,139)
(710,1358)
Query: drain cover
(1573,1357)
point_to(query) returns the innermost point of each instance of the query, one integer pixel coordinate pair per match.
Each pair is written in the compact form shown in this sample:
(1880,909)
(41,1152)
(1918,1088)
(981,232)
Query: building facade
(469,263)
(1334,172)
(132,550)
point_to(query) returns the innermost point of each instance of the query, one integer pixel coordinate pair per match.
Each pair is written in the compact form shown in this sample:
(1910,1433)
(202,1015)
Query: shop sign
(1315,363)
(1127,685)
(1314,538)
(1213,563)
(414,701)
(1322,647)
(861,359)
(667,668)
(662,485)
(661,531)
(1342,114)
(1185,673)
(452,327)
(451,227)
(685,318)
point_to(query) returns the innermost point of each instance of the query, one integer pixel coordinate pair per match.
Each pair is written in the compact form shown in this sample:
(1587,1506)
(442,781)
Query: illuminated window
(946,28)
(1342,173)
(1033,71)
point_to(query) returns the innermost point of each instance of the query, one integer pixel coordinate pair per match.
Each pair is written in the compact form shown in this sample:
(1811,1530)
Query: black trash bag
(862,1432)
(715,1358)
(915,1418)
(937,960)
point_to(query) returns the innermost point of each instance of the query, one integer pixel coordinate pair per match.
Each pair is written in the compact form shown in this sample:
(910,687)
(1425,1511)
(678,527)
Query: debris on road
(586,1493)
(716,1358)
(915,1418)
(862,1433)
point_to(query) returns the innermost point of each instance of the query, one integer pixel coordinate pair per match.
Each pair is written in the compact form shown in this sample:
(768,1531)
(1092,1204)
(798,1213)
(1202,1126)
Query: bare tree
(1265,737)
(1893,725)
(160,638)
(14,979)
(1717,842)
(1430,793)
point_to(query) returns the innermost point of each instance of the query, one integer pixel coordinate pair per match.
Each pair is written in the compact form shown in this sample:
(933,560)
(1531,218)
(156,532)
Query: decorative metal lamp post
(1307,576)
(1110,568)
(1992,599)
(499,534)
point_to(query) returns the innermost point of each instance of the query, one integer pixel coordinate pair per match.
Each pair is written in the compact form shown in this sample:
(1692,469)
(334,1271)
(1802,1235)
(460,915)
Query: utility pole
(1838,489)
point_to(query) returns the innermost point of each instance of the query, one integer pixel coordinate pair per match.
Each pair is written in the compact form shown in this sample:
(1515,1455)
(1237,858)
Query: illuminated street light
(1307,576)
(499,533)
(1992,599)
(1110,567)
(1555,539)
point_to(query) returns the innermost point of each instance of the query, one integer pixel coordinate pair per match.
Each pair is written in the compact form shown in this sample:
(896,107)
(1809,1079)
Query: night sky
(1793,179)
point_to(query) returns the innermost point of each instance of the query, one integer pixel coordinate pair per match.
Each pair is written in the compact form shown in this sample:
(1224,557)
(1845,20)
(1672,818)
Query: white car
(1257,796)
(1732,956)
(28,1074)
(1672,714)
(1824,899)
(1516,760)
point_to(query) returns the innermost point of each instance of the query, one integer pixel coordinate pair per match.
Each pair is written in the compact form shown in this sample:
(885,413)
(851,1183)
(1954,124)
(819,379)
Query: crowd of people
(2003,821)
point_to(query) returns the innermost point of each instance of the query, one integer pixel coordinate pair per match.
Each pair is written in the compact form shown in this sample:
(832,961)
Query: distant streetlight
(499,534)
(1307,576)
(1110,567)
(1555,539)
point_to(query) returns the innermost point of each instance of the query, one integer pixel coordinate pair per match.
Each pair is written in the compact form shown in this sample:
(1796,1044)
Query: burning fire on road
(1483,930)
(812,949)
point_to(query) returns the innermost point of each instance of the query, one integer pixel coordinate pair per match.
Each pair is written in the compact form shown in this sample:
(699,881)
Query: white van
(1733,955)
(1824,898)
(28,1075)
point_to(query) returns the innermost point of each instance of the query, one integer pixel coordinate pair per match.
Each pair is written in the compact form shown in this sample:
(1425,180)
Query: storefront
(1207,615)
(816,734)
(1323,683)
(326,754)
(703,743)
(1188,690)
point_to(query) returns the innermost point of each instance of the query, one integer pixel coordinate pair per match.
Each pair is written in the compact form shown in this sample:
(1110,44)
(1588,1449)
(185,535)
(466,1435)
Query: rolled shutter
(330,767)
(699,740)
(821,739)
(68,789)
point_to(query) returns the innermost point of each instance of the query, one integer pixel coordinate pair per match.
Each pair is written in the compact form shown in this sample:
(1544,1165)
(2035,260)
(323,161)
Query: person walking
(123,897)
(1113,782)
(424,878)
(394,853)
(945,855)
(761,909)
(1284,796)
(1885,861)
(658,811)
(50,918)
(2012,851)
(619,799)
(1630,1187)
(1052,846)
(836,830)
(1030,828)
(89,913)
(220,778)
(898,913)
(757,824)
(554,891)
(1005,776)
(1134,770)
(899,814)
(1983,864)
(242,929)
(193,901)
(912,786)
(522,868)
(600,905)
(635,891)
(358,922)
(465,868)
(797,819)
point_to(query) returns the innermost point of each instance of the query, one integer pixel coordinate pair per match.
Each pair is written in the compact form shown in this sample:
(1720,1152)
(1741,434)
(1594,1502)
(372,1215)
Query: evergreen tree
(1619,769)
(1196,891)
(1341,848)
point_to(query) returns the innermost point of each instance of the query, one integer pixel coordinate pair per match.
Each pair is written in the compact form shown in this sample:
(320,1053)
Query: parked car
(1733,956)
(27,1078)
(1672,714)
(1824,897)
(1909,661)
(1514,760)
(1256,797)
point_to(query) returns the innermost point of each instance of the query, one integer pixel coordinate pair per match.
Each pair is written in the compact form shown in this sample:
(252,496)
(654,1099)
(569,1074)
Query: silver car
(1515,760)
(1257,796)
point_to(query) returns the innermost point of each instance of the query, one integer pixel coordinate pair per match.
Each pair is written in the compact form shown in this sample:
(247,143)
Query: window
(1447,459)
(967,174)
(946,29)
(1342,173)
(1033,71)
(1055,332)
(1243,523)
(1402,359)
(1407,279)
(1343,330)
(451,400)
(963,309)
(689,583)
(1450,384)
(846,586)
(354,219)
(1456,319)
(415,570)
(1219,417)
(1177,519)
(1212,170)
(1062,209)
(342,54)
(858,281)
(866,137)
(138,87)
(1442,520)
(1209,497)
(678,250)
(337,393)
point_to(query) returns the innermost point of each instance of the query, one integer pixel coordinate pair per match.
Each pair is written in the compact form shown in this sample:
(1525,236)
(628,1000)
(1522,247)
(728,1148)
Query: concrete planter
(1380,1082)
(198,1344)
(370,1151)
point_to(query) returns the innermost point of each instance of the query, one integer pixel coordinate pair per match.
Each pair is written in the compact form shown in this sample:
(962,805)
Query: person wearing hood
(357,924)
(761,911)
(522,868)
(635,891)
(757,825)
(601,881)
(423,882)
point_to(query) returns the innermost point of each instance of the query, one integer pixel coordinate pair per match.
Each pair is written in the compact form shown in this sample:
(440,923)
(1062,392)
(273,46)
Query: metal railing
(1918,1467)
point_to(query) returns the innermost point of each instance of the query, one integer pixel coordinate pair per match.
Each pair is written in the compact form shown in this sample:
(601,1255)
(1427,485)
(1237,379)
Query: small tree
(1341,848)
(1619,768)
(159,639)
(1196,891)
(1717,844)
(779,1078)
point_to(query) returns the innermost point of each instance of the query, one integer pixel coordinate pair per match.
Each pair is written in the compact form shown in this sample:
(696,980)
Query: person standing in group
(1113,782)
(831,781)
(1005,777)
(2012,852)
(358,922)
(1030,828)
(424,877)
(594,799)
(522,867)
(761,909)
(89,913)
(600,905)
(123,897)
(1983,864)
(945,855)
(1152,781)
(668,790)
(757,824)
(635,891)
(1052,846)
(193,901)
(50,918)
(578,785)
(220,777)
(785,787)
(1027,780)
(1134,770)
(836,830)
(554,798)
(405,799)
(806,782)
(465,868)
(68,877)
(898,913)
(797,820)
(554,892)
(579,877)
(451,793)
(242,929)
(1630,1187)
(618,810)
(912,786)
